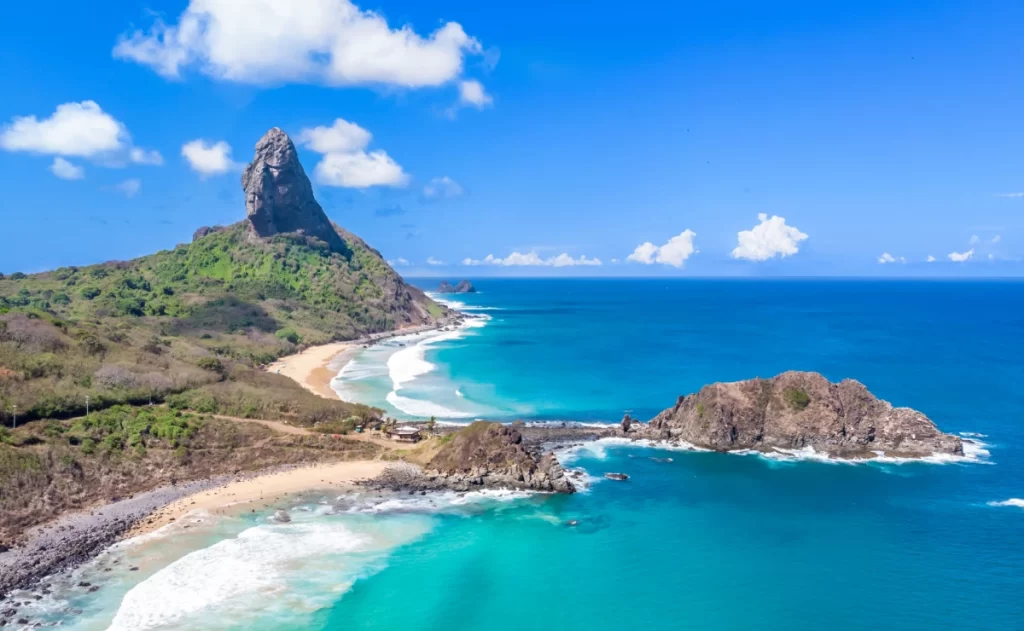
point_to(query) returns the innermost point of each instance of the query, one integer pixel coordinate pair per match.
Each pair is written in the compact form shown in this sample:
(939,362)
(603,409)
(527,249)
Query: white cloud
(770,238)
(471,92)
(398,261)
(209,158)
(974,239)
(129,188)
(346,162)
(142,156)
(996,239)
(532,259)
(960,257)
(341,137)
(889,258)
(81,130)
(1009,195)
(442,188)
(930,259)
(76,130)
(331,42)
(615,260)
(433,261)
(675,252)
(65,170)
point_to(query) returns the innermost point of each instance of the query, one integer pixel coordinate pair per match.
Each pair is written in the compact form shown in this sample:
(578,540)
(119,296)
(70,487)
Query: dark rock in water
(616,476)
(796,410)
(281,516)
(278,195)
(464,287)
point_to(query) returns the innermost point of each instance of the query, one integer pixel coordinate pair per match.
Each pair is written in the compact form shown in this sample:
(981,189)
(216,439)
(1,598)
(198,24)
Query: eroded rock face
(485,455)
(796,410)
(278,195)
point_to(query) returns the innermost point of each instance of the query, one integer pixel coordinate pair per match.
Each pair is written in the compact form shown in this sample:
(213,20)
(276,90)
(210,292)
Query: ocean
(693,540)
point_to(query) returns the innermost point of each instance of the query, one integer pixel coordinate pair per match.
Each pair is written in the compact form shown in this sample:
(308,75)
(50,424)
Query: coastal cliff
(484,455)
(796,410)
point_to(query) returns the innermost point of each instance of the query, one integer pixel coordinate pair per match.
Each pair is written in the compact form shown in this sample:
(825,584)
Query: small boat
(572,523)
(616,476)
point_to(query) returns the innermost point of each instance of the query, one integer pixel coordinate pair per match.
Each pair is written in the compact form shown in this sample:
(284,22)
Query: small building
(404,434)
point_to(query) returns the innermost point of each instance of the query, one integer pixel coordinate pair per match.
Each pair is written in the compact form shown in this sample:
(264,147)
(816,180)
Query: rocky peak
(278,195)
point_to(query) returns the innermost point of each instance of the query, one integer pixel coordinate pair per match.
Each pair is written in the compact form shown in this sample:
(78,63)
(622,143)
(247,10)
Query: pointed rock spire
(278,195)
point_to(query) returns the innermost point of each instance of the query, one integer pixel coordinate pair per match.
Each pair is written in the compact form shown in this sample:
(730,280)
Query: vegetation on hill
(194,322)
(53,466)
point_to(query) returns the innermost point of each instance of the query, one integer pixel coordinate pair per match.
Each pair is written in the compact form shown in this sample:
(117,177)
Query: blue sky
(549,136)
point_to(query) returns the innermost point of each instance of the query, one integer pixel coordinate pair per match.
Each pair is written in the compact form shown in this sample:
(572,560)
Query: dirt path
(278,426)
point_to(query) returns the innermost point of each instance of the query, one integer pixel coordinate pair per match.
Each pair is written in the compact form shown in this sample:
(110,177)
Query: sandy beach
(310,367)
(262,490)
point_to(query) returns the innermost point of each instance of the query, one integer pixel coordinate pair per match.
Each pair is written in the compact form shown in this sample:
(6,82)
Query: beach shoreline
(262,490)
(310,368)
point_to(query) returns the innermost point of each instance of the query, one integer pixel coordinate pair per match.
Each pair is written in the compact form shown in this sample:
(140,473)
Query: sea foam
(235,578)
(1013,501)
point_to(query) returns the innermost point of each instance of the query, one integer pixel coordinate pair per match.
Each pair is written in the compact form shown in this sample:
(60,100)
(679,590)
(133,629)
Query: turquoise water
(704,541)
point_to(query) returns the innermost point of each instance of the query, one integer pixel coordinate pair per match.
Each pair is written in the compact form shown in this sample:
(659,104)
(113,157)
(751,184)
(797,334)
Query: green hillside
(195,322)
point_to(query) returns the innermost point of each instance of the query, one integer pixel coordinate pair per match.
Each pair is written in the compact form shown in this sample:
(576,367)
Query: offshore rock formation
(278,195)
(484,455)
(464,287)
(796,410)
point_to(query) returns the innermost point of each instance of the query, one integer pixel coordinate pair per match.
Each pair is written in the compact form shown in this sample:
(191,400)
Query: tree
(430,424)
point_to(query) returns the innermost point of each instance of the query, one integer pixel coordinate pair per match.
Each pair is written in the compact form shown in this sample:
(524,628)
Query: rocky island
(464,287)
(796,410)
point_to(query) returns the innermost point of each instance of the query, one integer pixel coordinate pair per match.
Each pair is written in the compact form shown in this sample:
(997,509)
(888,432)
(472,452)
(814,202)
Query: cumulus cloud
(532,259)
(675,252)
(346,163)
(442,188)
(996,239)
(930,259)
(142,156)
(129,188)
(76,130)
(397,262)
(960,257)
(81,130)
(433,261)
(889,258)
(208,158)
(66,170)
(330,42)
(472,93)
(770,238)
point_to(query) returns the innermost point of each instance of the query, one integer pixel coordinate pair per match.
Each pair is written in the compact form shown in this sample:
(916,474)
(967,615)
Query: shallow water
(692,540)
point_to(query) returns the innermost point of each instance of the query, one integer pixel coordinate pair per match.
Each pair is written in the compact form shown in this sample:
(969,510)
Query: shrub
(89,292)
(210,363)
(289,335)
(60,298)
(797,398)
(17,276)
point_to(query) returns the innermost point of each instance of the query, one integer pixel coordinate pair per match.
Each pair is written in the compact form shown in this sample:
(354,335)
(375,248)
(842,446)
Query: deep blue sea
(703,541)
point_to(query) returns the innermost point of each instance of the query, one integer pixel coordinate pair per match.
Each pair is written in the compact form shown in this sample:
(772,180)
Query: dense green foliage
(182,321)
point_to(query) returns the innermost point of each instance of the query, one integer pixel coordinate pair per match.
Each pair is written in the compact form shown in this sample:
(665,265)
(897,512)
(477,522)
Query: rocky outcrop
(278,196)
(464,287)
(796,410)
(484,455)
(205,230)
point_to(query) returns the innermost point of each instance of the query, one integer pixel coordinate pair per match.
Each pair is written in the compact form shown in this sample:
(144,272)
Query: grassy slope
(194,321)
(53,466)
